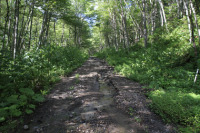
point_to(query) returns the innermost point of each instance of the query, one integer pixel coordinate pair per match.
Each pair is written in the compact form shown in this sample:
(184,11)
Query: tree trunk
(30,33)
(161,18)
(163,13)
(36,32)
(9,30)
(47,28)
(192,28)
(196,20)
(55,31)
(124,25)
(21,33)
(151,30)
(6,22)
(63,31)
(133,18)
(188,20)
(25,29)
(115,29)
(43,29)
(0,12)
(16,22)
(144,22)
(75,35)
(79,37)
(178,9)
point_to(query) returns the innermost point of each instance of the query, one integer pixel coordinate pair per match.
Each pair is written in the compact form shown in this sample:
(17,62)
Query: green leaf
(29,111)
(38,98)
(3,104)
(152,84)
(13,99)
(3,112)
(14,111)
(27,91)
(23,98)
(2,119)
(32,106)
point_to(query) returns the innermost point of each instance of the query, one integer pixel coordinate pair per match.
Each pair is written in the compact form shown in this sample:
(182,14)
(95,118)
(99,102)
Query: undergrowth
(25,80)
(168,68)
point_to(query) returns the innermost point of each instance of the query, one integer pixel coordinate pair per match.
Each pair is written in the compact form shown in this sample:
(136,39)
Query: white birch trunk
(144,22)
(161,18)
(188,20)
(15,29)
(196,21)
(163,13)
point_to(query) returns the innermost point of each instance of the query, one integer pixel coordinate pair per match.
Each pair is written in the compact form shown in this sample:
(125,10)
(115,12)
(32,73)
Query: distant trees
(128,21)
(26,24)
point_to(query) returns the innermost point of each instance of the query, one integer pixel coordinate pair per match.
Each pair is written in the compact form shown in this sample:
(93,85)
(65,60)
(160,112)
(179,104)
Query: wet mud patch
(95,100)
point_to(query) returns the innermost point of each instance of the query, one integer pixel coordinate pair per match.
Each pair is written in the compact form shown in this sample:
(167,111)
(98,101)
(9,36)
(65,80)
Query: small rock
(88,115)
(37,129)
(26,127)
(71,116)
(73,113)
(77,119)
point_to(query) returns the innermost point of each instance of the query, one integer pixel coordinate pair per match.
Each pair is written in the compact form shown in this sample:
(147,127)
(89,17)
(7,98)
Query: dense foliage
(40,41)
(25,80)
(156,43)
(167,68)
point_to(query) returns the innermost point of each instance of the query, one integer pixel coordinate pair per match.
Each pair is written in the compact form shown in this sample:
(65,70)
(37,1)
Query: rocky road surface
(93,99)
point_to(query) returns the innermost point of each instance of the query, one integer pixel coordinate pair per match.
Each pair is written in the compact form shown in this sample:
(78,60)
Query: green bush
(168,67)
(23,81)
(177,107)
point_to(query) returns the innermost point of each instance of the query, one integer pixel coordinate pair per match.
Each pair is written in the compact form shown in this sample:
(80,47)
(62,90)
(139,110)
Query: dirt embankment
(95,100)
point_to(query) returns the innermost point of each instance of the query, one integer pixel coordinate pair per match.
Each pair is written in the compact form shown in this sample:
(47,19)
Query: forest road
(93,99)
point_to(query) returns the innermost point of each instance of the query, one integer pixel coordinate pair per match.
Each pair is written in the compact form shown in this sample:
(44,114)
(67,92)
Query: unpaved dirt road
(95,100)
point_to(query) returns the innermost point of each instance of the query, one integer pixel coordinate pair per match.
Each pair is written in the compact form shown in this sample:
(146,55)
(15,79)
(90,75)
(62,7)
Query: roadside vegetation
(25,80)
(156,43)
(167,67)
(40,42)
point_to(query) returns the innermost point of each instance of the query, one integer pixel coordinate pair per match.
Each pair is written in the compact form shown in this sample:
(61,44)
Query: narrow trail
(95,100)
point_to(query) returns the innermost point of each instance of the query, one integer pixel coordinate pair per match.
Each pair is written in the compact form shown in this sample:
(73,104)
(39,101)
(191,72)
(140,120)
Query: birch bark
(163,13)
(196,20)
(6,22)
(30,33)
(188,20)
(16,22)
(144,22)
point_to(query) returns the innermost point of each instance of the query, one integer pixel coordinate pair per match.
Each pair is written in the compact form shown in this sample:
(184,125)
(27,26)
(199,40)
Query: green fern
(27,91)
(38,98)
(13,99)
(29,111)
(32,106)
(2,119)
(14,111)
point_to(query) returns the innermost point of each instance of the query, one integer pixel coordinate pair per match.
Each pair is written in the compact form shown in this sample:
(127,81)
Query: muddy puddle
(103,112)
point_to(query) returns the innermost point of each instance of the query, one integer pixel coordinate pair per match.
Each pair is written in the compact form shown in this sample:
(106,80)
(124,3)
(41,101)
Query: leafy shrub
(168,67)
(22,80)
(176,106)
